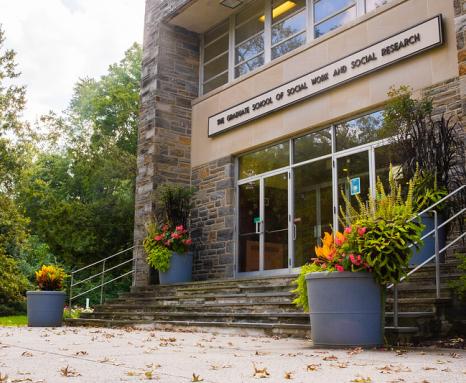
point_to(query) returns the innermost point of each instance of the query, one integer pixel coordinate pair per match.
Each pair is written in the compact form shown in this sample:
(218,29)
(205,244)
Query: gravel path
(127,355)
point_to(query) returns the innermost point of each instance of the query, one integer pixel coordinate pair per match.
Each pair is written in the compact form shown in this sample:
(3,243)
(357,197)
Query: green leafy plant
(459,285)
(300,291)
(13,285)
(160,243)
(426,192)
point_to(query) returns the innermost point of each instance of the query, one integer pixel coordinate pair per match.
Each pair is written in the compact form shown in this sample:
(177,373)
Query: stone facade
(213,219)
(170,78)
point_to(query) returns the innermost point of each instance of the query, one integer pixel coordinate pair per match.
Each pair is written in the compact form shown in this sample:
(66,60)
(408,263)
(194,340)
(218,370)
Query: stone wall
(213,219)
(170,77)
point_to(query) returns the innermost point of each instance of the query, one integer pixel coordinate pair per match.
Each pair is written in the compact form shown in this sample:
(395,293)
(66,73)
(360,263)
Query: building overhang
(201,15)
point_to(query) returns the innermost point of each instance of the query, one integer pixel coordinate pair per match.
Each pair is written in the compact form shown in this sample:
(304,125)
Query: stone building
(269,107)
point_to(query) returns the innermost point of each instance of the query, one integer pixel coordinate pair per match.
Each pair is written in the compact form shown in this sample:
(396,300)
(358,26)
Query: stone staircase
(264,305)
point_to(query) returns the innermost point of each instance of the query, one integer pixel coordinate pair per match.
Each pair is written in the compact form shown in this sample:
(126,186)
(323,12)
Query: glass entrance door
(264,223)
(276,222)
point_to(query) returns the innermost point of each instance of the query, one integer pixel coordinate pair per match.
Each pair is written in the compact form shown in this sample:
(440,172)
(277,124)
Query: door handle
(294,232)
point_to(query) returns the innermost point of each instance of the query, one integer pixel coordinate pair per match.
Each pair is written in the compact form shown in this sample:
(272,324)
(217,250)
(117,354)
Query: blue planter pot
(346,309)
(181,267)
(428,249)
(45,308)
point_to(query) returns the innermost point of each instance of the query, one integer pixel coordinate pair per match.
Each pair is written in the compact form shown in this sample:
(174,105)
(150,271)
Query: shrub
(173,204)
(13,285)
(459,285)
(50,278)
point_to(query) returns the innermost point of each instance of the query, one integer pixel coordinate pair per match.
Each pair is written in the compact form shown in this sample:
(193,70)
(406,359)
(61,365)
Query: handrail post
(395,305)
(71,291)
(437,256)
(103,280)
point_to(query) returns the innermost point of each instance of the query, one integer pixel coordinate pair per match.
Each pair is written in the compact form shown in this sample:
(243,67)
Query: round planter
(181,267)
(428,250)
(346,309)
(45,308)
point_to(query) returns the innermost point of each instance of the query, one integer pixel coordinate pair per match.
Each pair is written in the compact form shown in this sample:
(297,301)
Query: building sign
(412,41)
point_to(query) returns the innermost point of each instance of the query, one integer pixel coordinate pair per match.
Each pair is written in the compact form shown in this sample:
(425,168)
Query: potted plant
(344,286)
(45,307)
(167,243)
(168,252)
(432,145)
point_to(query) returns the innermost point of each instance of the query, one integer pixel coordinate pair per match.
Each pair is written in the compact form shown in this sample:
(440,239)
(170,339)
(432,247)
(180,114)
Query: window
(216,57)
(249,39)
(264,30)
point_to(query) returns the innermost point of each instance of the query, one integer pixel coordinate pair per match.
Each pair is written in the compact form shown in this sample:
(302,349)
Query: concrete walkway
(118,355)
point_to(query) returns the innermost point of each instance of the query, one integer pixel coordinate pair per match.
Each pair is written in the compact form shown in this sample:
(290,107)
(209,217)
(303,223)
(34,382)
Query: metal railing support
(437,255)
(395,306)
(71,292)
(102,283)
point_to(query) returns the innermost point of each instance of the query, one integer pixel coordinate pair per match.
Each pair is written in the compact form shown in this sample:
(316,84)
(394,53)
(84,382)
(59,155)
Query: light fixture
(282,8)
(231,3)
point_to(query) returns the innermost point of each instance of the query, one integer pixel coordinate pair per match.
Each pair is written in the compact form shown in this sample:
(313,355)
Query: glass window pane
(335,22)
(313,207)
(247,30)
(249,49)
(313,145)
(249,66)
(256,8)
(288,27)
(215,83)
(248,210)
(264,160)
(288,45)
(360,131)
(372,4)
(282,8)
(325,8)
(215,67)
(216,32)
(216,48)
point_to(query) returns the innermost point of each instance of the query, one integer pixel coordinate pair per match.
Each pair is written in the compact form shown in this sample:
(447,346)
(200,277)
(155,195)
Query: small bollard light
(87,303)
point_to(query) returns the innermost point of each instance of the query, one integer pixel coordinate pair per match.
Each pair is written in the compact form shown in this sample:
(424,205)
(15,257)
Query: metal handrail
(436,255)
(103,283)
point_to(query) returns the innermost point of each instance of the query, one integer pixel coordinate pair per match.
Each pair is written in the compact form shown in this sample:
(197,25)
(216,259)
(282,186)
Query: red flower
(164,228)
(188,241)
(175,236)
(355,260)
(180,228)
(348,230)
(362,231)
(158,237)
(339,268)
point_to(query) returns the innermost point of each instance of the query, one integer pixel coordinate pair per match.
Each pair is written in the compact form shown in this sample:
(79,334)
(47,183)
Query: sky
(59,41)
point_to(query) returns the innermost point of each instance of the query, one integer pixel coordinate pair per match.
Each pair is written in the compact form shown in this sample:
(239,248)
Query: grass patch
(16,320)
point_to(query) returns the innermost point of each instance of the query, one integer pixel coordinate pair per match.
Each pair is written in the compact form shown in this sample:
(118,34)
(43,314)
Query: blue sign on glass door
(355,184)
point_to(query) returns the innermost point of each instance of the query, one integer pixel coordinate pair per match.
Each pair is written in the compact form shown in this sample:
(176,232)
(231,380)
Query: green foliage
(426,192)
(459,285)
(301,299)
(389,230)
(158,255)
(173,204)
(13,285)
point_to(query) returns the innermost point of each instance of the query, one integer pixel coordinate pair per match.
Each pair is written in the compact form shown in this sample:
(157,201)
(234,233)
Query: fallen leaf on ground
(355,351)
(429,368)
(446,370)
(261,372)
(196,378)
(131,373)
(361,379)
(312,367)
(288,375)
(400,352)
(69,372)
(21,380)
(3,378)
(27,354)
(219,366)
(330,358)
(455,355)
(340,365)
(79,353)
(148,374)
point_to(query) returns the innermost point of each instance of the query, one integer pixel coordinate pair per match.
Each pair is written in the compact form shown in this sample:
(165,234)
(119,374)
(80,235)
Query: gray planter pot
(346,309)
(181,269)
(45,308)
(426,251)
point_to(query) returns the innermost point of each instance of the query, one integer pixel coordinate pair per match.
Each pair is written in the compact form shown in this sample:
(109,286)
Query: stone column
(170,78)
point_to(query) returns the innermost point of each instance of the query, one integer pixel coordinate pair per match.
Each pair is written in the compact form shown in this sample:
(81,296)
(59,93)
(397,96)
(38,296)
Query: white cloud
(59,41)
